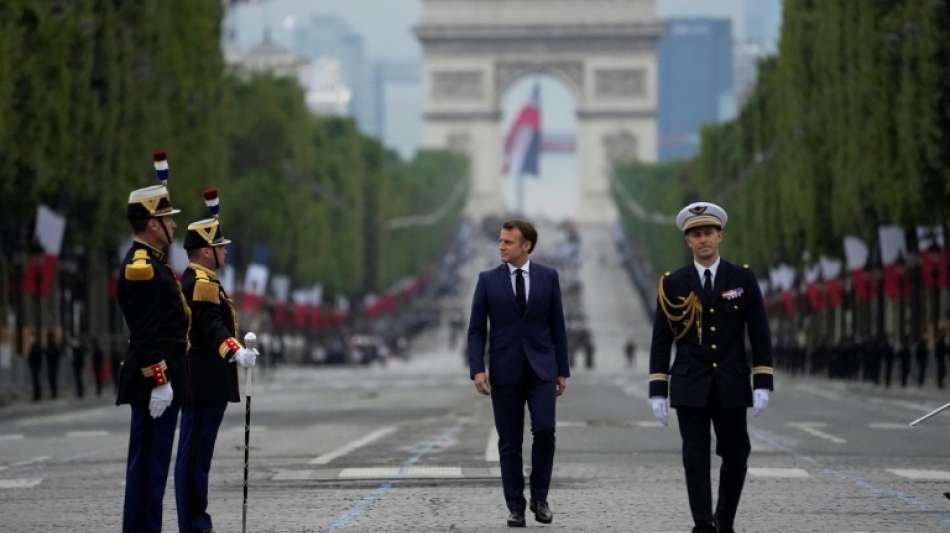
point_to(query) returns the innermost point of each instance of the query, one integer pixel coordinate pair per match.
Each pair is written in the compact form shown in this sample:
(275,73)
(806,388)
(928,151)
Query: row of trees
(846,129)
(89,88)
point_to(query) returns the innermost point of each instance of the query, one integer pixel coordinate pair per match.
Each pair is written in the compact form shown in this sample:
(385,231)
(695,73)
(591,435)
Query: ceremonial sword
(250,342)
(936,411)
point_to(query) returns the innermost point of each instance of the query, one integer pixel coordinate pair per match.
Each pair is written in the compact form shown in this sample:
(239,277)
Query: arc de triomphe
(604,51)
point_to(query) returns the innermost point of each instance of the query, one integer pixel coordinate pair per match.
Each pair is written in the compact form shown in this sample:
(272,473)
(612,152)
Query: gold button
(712,328)
(713,346)
(715,365)
(735,307)
(712,311)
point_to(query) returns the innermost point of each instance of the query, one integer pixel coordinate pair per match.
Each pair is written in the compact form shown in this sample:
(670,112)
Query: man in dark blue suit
(527,362)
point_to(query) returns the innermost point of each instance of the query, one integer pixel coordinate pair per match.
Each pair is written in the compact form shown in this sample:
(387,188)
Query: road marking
(812,429)
(921,475)
(888,425)
(649,424)
(20,483)
(353,446)
(785,473)
(387,472)
(817,391)
(906,404)
(572,424)
(240,429)
(491,447)
(71,417)
(419,450)
(89,433)
(33,460)
(12,436)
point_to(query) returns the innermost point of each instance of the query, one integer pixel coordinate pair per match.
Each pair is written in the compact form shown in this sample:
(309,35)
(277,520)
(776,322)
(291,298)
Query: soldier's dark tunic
(214,321)
(158,319)
(214,384)
(709,381)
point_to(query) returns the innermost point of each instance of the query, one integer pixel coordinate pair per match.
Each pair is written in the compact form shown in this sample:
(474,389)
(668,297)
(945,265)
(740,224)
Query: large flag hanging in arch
(523,143)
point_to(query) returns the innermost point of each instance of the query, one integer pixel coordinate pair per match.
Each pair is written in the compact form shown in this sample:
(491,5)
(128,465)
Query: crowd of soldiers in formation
(879,360)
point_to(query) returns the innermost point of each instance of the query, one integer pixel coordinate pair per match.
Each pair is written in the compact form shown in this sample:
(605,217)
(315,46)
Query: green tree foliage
(89,88)
(846,129)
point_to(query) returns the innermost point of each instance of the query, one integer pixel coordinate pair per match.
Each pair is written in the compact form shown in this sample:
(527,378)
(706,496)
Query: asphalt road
(410,448)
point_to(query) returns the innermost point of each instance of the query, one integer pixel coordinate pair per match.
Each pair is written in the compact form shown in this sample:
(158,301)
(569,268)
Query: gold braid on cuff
(689,310)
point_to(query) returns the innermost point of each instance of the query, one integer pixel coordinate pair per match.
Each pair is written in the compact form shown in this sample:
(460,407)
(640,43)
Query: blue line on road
(377,494)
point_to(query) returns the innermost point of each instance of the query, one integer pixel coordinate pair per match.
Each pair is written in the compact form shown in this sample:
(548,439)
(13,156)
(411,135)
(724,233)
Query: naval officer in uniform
(706,308)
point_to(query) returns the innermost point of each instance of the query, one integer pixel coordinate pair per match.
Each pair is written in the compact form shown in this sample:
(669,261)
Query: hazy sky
(386,25)
(386,28)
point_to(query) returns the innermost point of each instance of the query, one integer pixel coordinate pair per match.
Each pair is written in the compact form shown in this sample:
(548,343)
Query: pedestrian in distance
(903,355)
(213,357)
(517,313)
(98,358)
(941,353)
(886,352)
(923,356)
(79,365)
(630,352)
(153,380)
(706,308)
(53,355)
(35,360)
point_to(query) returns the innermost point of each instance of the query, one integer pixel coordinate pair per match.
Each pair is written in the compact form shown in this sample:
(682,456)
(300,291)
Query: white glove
(246,358)
(760,400)
(160,399)
(661,409)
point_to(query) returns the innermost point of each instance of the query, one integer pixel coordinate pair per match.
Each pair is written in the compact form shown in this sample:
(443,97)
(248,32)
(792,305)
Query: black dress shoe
(542,513)
(946,495)
(516,519)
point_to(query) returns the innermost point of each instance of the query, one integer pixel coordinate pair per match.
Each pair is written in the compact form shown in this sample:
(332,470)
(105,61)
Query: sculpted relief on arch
(570,72)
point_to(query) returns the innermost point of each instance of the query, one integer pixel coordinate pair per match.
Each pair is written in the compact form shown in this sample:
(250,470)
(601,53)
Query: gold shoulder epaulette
(140,269)
(205,290)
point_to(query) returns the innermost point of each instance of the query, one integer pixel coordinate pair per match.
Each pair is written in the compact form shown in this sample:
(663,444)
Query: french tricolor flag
(523,143)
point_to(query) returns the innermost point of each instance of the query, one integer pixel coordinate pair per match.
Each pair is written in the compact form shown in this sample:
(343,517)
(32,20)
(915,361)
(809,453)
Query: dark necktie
(707,286)
(520,294)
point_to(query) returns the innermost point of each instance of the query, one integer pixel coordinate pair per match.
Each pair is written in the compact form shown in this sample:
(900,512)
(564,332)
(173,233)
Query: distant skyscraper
(695,58)
(327,37)
(397,105)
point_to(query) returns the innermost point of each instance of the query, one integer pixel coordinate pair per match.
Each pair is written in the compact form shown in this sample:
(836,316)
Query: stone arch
(604,51)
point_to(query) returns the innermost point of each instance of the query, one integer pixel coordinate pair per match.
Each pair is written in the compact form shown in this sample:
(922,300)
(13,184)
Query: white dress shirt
(527,279)
(701,270)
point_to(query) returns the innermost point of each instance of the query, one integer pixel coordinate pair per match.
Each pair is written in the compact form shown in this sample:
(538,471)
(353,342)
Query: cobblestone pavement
(409,448)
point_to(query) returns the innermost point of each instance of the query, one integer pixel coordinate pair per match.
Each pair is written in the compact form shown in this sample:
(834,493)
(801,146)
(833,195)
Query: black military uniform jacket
(213,343)
(710,339)
(158,319)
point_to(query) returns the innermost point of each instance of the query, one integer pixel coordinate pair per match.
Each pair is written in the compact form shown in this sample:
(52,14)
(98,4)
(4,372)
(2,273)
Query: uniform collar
(700,269)
(154,251)
(526,268)
(210,272)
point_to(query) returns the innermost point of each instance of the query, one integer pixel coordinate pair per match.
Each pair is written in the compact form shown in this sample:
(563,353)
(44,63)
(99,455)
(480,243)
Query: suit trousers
(150,452)
(508,403)
(199,430)
(732,445)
